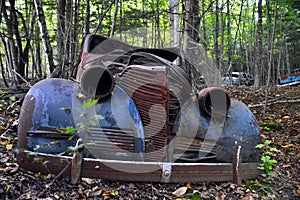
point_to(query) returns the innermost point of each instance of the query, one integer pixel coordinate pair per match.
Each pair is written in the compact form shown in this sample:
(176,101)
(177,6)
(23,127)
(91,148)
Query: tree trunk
(3,72)
(61,8)
(114,21)
(270,58)
(44,34)
(187,26)
(20,65)
(2,4)
(205,42)
(74,39)
(237,32)
(172,30)
(174,23)
(196,21)
(158,24)
(221,46)
(87,18)
(38,54)
(258,59)
(11,49)
(229,36)
(216,43)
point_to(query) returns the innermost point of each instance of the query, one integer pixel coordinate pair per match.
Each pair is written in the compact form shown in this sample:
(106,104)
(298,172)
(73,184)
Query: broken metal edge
(155,171)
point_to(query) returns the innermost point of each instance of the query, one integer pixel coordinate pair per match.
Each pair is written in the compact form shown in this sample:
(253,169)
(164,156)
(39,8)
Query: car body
(148,125)
(235,78)
(247,79)
(293,76)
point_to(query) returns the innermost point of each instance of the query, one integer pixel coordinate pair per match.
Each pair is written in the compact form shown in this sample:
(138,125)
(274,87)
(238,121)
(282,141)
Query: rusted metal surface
(47,106)
(148,89)
(148,125)
(97,82)
(152,171)
(54,105)
(240,129)
(206,105)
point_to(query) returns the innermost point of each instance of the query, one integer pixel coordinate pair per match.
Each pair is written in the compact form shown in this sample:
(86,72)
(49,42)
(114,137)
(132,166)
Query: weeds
(267,160)
(266,166)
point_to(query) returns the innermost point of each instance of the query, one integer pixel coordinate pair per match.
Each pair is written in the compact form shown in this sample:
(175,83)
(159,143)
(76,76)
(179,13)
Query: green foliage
(90,103)
(2,93)
(195,196)
(51,144)
(85,118)
(271,126)
(80,147)
(266,158)
(262,189)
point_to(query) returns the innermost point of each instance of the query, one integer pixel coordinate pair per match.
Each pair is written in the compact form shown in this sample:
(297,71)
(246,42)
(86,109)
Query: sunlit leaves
(267,161)
(90,103)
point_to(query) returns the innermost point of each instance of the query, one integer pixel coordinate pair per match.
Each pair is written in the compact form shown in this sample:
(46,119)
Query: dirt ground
(282,116)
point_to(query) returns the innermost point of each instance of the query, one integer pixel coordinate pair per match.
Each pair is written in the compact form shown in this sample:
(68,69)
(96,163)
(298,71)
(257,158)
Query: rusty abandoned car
(147,125)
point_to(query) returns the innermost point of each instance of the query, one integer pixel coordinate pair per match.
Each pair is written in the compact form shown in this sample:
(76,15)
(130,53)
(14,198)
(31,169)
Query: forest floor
(281,127)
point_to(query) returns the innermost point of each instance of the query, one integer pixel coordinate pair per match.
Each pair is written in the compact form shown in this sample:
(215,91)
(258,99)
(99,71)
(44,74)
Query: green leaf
(261,168)
(273,161)
(38,160)
(90,103)
(194,196)
(70,130)
(264,175)
(259,146)
(12,98)
(267,142)
(273,149)
(271,174)
(71,138)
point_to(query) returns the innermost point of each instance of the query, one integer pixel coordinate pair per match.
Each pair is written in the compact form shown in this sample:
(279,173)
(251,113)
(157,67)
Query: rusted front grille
(148,87)
(191,149)
(111,143)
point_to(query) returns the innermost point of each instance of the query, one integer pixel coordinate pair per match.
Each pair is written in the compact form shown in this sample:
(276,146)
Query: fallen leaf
(246,198)
(110,193)
(96,191)
(3,142)
(14,169)
(188,185)
(286,117)
(87,180)
(9,146)
(297,192)
(180,191)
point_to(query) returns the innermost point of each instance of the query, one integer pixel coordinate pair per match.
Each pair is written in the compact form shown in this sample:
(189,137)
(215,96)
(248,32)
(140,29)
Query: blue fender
(54,104)
(240,129)
(220,137)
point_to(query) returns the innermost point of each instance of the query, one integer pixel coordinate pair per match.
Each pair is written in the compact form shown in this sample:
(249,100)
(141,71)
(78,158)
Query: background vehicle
(235,78)
(294,76)
(247,79)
